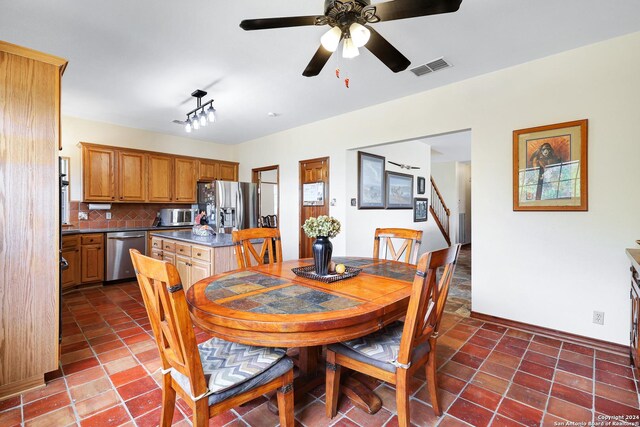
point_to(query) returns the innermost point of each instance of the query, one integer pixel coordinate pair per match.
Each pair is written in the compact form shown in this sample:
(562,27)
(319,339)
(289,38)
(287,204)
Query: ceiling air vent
(430,67)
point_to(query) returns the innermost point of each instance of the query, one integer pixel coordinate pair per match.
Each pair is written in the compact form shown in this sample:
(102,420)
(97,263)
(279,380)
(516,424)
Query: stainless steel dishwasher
(119,264)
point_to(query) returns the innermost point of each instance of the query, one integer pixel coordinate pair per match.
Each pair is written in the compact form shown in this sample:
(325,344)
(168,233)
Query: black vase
(322,249)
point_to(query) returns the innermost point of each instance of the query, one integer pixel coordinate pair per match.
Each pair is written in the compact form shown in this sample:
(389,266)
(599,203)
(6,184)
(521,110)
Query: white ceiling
(450,147)
(135,63)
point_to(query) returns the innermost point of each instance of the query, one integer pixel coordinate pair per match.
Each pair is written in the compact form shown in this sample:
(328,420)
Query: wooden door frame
(255,179)
(300,196)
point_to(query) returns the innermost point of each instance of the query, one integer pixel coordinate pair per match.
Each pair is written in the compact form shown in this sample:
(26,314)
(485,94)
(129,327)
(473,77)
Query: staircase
(439,211)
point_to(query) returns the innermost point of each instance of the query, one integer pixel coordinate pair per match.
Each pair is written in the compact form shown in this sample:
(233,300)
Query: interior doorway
(268,179)
(314,175)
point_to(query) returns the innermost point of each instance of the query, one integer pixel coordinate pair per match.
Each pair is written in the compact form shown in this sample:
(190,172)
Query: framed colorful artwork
(370,181)
(550,167)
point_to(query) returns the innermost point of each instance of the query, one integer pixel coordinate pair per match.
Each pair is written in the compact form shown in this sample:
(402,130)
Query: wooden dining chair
(410,247)
(246,253)
(395,352)
(216,375)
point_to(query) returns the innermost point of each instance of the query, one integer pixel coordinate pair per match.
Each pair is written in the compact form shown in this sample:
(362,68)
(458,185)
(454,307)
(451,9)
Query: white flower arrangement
(323,226)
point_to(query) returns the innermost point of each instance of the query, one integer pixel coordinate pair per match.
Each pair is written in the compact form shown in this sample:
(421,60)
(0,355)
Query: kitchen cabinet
(98,174)
(228,171)
(71,253)
(92,258)
(185,187)
(211,170)
(183,265)
(30,86)
(132,176)
(114,174)
(160,178)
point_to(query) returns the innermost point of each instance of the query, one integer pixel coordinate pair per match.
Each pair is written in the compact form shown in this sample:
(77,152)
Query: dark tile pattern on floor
(488,375)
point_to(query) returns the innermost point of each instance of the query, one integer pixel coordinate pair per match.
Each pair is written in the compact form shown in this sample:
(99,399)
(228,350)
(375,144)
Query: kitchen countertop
(117,229)
(218,240)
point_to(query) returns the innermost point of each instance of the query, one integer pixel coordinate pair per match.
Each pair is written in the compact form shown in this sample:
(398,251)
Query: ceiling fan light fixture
(187,126)
(359,34)
(349,49)
(203,118)
(195,122)
(331,39)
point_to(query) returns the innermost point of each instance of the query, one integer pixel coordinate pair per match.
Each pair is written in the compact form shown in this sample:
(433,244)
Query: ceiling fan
(349,21)
(403,166)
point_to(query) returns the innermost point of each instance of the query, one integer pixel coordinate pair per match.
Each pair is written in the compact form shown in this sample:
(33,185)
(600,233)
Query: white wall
(75,130)
(550,269)
(445,175)
(464,201)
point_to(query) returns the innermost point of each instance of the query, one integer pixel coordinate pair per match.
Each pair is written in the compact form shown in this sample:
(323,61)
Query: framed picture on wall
(421,185)
(370,181)
(399,190)
(550,167)
(420,209)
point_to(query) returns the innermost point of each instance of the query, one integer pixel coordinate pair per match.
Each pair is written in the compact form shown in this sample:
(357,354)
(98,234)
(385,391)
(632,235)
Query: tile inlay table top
(269,305)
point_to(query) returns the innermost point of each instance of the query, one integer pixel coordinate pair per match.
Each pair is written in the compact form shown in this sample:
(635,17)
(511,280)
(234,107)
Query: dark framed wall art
(420,209)
(421,185)
(371,181)
(399,190)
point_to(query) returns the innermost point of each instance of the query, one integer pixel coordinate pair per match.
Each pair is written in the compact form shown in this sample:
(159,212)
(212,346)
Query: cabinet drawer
(201,253)
(156,243)
(92,239)
(183,249)
(169,246)
(156,254)
(70,241)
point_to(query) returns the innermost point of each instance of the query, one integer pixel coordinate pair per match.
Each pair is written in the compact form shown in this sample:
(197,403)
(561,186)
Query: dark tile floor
(488,375)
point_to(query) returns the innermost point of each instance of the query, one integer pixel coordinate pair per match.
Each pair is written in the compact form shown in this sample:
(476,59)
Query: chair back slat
(246,253)
(410,246)
(428,298)
(166,306)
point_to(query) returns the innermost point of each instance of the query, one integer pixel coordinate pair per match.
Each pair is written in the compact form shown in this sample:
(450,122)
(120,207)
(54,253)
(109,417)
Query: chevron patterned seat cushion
(228,364)
(379,348)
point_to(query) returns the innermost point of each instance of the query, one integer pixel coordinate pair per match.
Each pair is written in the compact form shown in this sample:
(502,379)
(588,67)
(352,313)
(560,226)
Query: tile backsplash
(122,215)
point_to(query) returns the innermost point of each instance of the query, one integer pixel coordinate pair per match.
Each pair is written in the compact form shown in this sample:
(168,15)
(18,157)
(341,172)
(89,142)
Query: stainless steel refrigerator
(229,205)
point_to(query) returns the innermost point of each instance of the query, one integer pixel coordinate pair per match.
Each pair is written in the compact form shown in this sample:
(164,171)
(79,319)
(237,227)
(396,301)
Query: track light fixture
(200,115)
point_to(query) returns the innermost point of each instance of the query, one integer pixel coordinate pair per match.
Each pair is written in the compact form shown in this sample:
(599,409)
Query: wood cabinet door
(92,269)
(183,265)
(71,276)
(98,172)
(199,270)
(159,178)
(184,190)
(169,257)
(228,171)
(207,171)
(224,259)
(132,176)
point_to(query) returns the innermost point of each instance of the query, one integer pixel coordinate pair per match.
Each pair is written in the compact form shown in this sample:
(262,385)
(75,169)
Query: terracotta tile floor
(488,375)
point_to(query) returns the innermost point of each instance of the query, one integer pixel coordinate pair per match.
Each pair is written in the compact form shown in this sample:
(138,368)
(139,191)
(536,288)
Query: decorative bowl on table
(202,230)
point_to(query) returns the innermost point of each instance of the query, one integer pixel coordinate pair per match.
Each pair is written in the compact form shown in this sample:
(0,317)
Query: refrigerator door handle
(240,211)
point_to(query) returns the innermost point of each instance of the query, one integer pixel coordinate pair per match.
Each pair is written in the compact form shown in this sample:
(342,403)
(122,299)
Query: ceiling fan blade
(389,55)
(318,61)
(394,163)
(290,21)
(401,9)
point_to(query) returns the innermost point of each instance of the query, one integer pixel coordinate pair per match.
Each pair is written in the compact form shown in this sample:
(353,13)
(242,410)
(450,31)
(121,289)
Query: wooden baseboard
(19,387)
(553,333)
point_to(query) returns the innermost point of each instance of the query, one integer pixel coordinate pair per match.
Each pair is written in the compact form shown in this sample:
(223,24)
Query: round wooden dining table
(268,305)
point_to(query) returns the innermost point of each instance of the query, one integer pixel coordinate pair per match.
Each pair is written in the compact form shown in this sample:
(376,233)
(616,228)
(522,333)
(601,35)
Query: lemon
(340,268)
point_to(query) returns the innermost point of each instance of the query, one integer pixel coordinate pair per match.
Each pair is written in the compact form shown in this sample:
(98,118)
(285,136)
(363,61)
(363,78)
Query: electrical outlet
(598,317)
(83,216)
(108,215)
